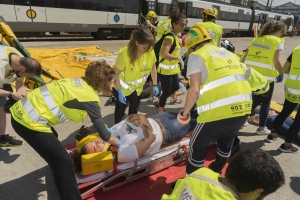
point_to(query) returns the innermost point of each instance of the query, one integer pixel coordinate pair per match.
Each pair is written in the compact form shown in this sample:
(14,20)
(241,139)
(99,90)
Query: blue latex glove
(122,97)
(155,90)
(116,136)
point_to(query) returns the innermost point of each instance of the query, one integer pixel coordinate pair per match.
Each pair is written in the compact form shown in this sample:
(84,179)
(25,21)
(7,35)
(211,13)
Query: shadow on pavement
(35,184)
(6,158)
(295,184)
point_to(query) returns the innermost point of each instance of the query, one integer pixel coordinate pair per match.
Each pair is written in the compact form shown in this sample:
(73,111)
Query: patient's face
(95,146)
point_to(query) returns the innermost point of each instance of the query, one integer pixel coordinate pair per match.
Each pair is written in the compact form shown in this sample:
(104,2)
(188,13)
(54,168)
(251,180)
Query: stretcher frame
(178,154)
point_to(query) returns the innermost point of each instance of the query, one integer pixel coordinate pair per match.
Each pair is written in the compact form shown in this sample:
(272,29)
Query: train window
(7,2)
(247,18)
(90,5)
(78,4)
(131,6)
(22,2)
(115,6)
(193,12)
(163,9)
(223,15)
(103,5)
(49,3)
(37,3)
(65,4)
(233,16)
(240,15)
(257,19)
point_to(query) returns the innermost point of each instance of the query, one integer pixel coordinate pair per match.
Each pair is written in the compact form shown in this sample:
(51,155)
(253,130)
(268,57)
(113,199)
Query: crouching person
(252,174)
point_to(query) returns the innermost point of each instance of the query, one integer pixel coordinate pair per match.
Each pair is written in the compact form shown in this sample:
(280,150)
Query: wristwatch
(10,94)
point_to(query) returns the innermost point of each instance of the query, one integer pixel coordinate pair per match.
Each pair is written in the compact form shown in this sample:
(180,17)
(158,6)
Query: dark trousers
(258,100)
(265,107)
(52,151)
(224,132)
(288,108)
(169,85)
(134,101)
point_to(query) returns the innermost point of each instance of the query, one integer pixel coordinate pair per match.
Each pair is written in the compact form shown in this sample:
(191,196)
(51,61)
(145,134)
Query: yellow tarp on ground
(278,108)
(66,63)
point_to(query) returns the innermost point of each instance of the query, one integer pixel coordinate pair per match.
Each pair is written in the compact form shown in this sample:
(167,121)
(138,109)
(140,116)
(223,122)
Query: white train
(104,18)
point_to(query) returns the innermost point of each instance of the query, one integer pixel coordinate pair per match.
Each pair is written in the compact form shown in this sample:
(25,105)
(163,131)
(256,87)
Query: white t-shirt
(197,64)
(7,74)
(130,134)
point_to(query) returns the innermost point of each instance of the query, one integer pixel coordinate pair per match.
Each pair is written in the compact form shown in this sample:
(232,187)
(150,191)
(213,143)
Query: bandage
(183,120)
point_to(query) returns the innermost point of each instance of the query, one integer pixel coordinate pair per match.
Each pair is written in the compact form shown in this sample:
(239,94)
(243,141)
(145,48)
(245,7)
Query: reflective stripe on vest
(248,72)
(124,85)
(161,65)
(216,183)
(224,102)
(292,91)
(34,116)
(221,81)
(52,105)
(135,82)
(257,64)
(294,77)
(262,90)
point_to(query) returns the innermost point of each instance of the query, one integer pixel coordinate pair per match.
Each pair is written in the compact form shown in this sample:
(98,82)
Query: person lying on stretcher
(138,136)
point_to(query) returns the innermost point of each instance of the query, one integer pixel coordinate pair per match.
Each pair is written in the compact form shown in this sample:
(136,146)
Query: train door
(30,11)
(182,6)
(277,18)
(263,19)
(116,13)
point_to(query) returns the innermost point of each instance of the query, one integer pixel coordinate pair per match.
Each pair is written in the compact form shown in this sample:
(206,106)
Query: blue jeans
(265,107)
(174,130)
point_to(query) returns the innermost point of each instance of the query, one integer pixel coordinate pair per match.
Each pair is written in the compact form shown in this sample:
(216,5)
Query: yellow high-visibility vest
(170,67)
(225,93)
(44,107)
(134,76)
(214,30)
(260,55)
(292,83)
(163,27)
(201,184)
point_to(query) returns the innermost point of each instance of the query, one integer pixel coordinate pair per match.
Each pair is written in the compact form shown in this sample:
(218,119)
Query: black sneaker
(271,138)
(9,141)
(286,149)
(156,104)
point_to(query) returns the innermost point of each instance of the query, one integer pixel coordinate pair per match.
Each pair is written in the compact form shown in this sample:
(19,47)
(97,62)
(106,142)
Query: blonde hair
(272,27)
(99,76)
(142,36)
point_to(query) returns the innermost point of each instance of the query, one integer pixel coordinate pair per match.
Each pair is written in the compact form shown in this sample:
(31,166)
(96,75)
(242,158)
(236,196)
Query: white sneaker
(151,99)
(263,132)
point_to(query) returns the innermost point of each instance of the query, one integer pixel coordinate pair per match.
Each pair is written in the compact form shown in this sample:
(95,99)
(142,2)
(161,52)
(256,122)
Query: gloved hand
(155,90)
(116,136)
(122,97)
(181,63)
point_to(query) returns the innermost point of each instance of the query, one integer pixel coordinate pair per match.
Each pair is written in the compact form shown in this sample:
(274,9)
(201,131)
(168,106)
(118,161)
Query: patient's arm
(141,121)
(135,151)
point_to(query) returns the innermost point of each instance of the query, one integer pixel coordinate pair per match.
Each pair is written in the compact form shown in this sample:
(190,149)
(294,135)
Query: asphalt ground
(25,175)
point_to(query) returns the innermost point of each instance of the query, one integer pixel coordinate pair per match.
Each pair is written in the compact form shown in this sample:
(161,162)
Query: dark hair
(31,65)
(172,10)
(99,75)
(176,17)
(254,169)
(209,18)
(77,157)
(272,27)
(142,36)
